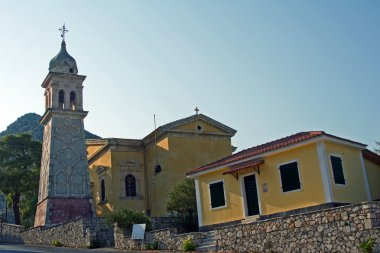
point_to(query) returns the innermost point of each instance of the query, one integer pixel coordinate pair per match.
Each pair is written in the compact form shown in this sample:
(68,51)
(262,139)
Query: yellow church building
(140,174)
(304,170)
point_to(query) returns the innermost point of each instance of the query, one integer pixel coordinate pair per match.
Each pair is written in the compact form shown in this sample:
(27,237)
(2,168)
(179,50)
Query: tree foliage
(125,218)
(20,158)
(182,203)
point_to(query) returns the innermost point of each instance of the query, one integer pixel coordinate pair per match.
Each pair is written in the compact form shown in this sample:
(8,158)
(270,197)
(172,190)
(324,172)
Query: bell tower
(64,189)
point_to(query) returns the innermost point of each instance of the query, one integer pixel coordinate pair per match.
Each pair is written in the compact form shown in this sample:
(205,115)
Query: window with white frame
(337,169)
(290,179)
(217,197)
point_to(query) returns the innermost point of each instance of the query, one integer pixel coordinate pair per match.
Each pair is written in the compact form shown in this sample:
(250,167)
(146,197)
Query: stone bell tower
(64,189)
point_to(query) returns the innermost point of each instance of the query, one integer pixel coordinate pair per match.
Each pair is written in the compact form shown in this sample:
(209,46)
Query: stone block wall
(70,234)
(10,233)
(79,233)
(101,234)
(167,239)
(164,222)
(339,229)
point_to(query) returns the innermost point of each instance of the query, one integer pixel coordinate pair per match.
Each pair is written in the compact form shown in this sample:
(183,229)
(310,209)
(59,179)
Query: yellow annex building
(140,174)
(308,169)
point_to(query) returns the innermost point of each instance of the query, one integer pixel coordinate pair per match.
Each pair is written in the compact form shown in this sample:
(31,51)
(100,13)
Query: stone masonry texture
(79,233)
(338,229)
(167,239)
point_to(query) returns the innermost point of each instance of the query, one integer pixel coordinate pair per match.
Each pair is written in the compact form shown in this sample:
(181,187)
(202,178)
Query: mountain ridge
(29,123)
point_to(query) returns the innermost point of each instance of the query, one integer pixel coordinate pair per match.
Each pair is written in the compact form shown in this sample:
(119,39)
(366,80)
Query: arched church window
(73,100)
(61,99)
(130,186)
(102,190)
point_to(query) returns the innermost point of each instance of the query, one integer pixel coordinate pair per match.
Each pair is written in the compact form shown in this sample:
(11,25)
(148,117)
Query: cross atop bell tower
(63,30)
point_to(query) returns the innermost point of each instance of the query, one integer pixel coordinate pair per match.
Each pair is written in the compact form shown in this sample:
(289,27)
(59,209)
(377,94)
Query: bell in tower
(64,189)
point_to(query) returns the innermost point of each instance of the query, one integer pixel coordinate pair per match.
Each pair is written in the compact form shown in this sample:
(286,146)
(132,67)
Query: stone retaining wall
(164,222)
(78,233)
(167,239)
(70,234)
(10,233)
(339,229)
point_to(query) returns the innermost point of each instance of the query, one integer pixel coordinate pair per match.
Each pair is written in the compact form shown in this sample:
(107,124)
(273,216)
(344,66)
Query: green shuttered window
(217,194)
(289,177)
(336,163)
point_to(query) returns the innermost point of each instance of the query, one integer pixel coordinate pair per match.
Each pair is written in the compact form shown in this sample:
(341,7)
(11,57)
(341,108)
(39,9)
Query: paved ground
(22,248)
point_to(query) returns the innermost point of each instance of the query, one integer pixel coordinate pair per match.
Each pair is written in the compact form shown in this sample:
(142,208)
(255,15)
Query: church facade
(140,174)
(80,179)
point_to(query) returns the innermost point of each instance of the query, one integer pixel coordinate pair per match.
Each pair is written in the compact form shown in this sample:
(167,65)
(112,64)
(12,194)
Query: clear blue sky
(265,68)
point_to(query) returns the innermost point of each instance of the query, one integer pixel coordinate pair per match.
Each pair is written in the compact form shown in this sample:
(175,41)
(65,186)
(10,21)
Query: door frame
(244,197)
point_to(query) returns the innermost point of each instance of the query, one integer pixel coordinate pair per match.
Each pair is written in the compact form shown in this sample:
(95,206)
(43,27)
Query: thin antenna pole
(155,138)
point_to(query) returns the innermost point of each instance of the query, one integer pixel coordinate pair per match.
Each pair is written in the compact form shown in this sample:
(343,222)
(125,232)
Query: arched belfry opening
(73,100)
(61,99)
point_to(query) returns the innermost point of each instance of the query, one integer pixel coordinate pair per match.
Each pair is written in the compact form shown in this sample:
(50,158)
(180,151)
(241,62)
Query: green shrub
(151,246)
(367,246)
(182,204)
(188,245)
(56,243)
(125,218)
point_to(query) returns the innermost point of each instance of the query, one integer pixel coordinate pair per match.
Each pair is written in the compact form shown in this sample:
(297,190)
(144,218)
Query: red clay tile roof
(269,146)
(244,165)
(369,155)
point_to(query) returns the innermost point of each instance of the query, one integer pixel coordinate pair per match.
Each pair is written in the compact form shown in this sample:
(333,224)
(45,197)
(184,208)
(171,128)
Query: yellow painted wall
(113,181)
(354,189)
(311,192)
(373,175)
(156,182)
(104,161)
(205,127)
(234,208)
(120,201)
(178,154)
(274,200)
(91,149)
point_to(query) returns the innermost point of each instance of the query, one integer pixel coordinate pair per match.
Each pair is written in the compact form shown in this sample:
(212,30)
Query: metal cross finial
(63,31)
(196,110)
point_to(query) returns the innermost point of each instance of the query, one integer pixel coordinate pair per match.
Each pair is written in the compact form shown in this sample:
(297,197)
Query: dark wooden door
(251,195)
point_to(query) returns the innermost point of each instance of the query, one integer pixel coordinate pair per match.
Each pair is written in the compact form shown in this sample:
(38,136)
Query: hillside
(29,123)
